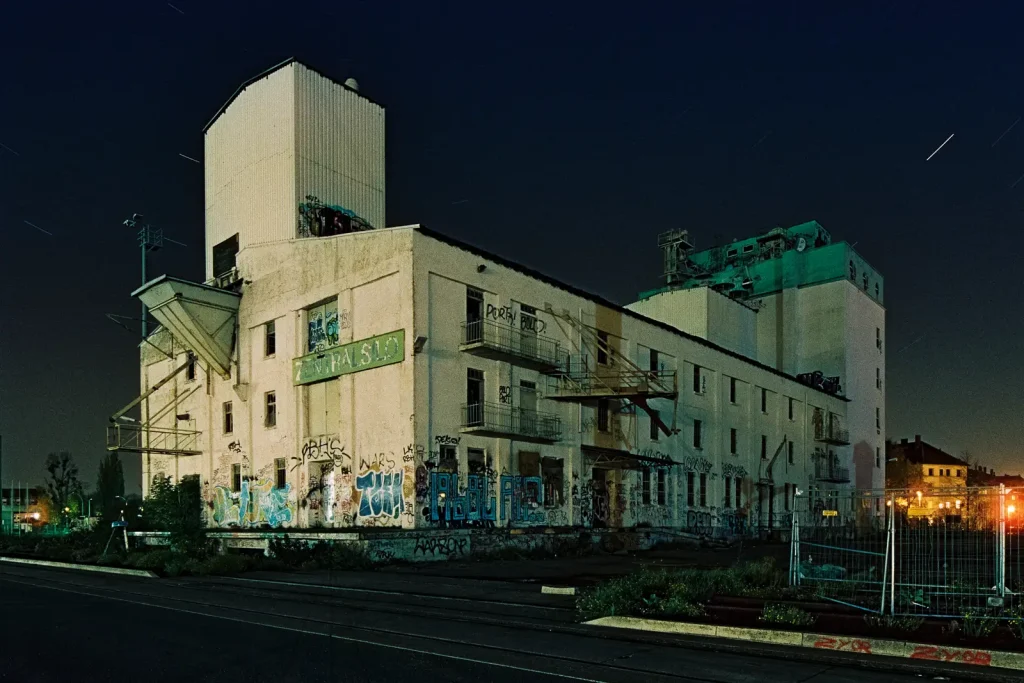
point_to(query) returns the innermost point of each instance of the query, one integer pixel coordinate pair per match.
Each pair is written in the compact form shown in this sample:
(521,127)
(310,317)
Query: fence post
(794,546)
(890,552)
(892,555)
(1001,545)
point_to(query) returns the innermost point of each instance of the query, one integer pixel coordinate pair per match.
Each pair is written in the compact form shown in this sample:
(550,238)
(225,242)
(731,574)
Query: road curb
(991,659)
(558,590)
(83,567)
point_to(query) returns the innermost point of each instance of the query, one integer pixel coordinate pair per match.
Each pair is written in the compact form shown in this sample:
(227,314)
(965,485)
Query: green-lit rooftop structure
(778,259)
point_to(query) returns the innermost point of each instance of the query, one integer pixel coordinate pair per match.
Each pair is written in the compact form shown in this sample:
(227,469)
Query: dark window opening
(728,492)
(474,315)
(602,415)
(739,493)
(229,418)
(602,348)
(552,471)
(270,339)
(733,438)
(703,489)
(689,489)
(654,425)
(645,489)
(236,477)
(764,400)
(654,361)
(764,447)
(224,255)
(697,440)
(732,390)
(474,397)
(791,409)
(696,380)
(281,473)
(791,453)
(190,371)
(270,409)
(662,483)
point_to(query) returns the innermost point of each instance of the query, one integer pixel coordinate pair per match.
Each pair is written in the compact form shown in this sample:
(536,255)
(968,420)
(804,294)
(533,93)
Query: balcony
(832,435)
(496,341)
(134,438)
(499,420)
(827,469)
(577,381)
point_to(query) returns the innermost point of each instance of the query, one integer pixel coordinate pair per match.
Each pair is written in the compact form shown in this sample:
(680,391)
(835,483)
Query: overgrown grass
(663,592)
(787,615)
(978,624)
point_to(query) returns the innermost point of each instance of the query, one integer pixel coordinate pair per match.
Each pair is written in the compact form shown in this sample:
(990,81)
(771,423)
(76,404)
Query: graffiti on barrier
(520,496)
(940,654)
(843,645)
(440,546)
(259,503)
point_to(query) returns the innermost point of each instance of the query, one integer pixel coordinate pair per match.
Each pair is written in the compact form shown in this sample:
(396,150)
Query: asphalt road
(72,626)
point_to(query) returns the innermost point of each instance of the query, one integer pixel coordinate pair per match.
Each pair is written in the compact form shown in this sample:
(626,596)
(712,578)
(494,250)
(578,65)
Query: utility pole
(150,239)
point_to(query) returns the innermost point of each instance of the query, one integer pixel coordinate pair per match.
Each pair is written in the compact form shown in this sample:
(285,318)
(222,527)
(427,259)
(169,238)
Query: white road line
(315,633)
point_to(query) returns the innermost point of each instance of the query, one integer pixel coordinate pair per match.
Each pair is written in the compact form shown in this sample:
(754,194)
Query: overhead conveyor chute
(200,317)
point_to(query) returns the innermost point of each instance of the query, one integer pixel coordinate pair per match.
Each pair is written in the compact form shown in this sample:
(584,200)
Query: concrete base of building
(446,544)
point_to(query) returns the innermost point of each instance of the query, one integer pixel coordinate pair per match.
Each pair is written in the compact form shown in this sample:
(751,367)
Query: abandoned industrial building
(333,372)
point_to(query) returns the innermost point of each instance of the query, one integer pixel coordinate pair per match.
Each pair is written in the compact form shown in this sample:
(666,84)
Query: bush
(787,615)
(1016,623)
(681,593)
(319,555)
(979,624)
(908,624)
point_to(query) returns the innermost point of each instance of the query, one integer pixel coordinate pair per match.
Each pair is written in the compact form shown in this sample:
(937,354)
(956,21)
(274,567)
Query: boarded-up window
(322,328)
(322,407)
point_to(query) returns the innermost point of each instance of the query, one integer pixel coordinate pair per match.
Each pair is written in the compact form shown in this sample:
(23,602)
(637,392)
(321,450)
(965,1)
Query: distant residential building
(934,482)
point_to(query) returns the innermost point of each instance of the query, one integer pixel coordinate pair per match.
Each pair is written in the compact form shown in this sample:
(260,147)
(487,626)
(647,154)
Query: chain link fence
(936,552)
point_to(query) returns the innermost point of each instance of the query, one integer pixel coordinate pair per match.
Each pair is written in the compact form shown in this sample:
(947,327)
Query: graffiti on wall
(440,546)
(448,504)
(324,448)
(505,394)
(445,440)
(317,219)
(380,494)
(501,313)
(734,471)
(695,463)
(259,503)
(521,497)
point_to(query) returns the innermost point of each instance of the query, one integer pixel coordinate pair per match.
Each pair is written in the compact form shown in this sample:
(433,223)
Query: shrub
(786,614)
(1016,623)
(899,623)
(978,624)
(319,555)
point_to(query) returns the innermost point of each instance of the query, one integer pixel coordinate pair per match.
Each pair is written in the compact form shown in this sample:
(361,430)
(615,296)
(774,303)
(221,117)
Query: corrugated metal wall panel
(250,166)
(340,146)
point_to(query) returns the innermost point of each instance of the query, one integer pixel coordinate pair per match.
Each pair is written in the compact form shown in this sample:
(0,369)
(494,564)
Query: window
(281,473)
(878,338)
(689,489)
(269,339)
(728,492)
(732,441)
(654,361)
(645,489)
(229,420)
(476,461)
(786,494)
(662,484)
(448,459)
(931,471)
(878,457)
(602,348)
(190,370)
(958,473)
(529,466)
(602,415)
(474,315)
(764,400)
(236,477)
(764,447)
(697,386)
(876,290)
(696,434)
(270,409)
(322,407)
(878,378)
(654,425)
(739,493)
(474,397)
(224,255)
(791,409)
(791,446)
(703,489)
(322,328)
(552,473)
(732,390)
(878,420)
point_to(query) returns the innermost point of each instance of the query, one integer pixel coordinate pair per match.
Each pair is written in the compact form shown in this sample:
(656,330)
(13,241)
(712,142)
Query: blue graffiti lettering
(380,494)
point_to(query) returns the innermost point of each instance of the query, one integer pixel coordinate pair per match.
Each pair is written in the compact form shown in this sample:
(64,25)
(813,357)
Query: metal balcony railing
(832,434)
(502,342)
(577,380)
(502,420)
(135,438)
(828,469)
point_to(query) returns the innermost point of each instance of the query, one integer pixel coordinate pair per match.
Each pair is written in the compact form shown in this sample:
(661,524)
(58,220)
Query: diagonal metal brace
(116,416)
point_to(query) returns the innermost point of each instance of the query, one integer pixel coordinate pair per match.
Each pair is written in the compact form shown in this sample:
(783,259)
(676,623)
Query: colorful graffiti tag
(470,506)
(380,494)
(259,503)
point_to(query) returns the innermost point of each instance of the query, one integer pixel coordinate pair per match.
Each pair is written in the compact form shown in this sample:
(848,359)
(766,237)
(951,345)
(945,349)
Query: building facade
(932,484)
(794,300)
(332,375)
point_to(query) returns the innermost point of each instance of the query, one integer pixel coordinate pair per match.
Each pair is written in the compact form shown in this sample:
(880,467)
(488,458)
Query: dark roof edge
(264,74)
(608,304)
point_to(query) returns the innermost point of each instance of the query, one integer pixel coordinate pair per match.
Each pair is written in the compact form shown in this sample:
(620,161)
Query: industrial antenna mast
(150,239)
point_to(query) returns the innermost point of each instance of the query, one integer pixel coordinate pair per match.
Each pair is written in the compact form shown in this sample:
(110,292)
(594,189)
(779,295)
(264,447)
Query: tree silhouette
(62,482)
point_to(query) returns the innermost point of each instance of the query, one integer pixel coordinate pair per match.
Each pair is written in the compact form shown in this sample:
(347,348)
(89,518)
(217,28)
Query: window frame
(703,489)
(270,339)
(604,421)
(236,477)
(280,473)
(690,497)
(603,348)
(764,401)
(698,435)
(734,441)
(227,422)
(270,409)
(732,391)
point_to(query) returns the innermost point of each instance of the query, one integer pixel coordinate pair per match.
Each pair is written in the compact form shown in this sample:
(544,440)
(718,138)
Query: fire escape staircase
(142,437)
(621,379)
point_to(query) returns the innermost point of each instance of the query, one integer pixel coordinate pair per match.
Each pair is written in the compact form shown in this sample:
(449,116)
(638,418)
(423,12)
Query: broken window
(448,460)
(322,326)
(224,256)
(553,474)
(474,397)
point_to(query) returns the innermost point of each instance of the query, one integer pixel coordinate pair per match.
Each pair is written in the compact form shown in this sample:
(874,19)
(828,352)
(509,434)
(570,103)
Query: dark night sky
(575,135)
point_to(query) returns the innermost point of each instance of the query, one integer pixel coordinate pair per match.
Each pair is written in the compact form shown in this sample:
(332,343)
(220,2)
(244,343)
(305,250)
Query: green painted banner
(345,359)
